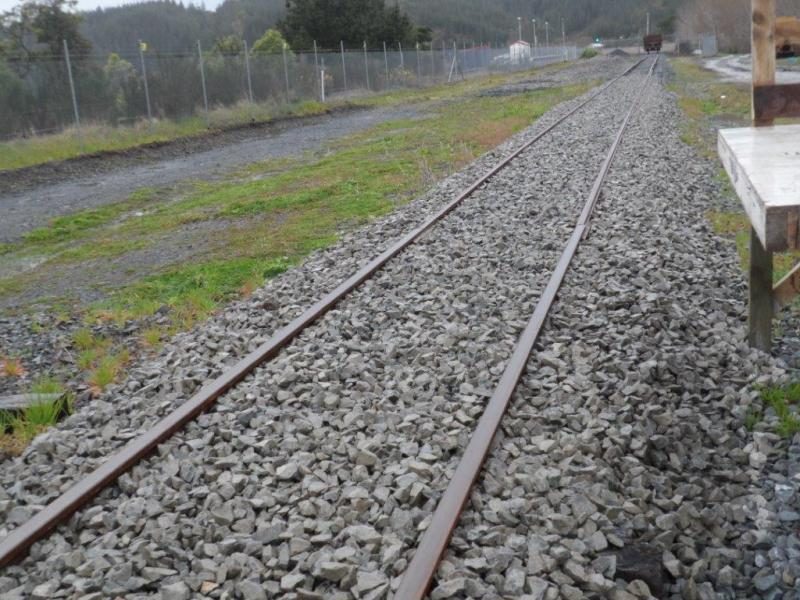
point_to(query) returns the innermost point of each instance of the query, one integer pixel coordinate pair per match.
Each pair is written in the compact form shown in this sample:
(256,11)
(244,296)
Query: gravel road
(738,68)
(64,193)
(316,476)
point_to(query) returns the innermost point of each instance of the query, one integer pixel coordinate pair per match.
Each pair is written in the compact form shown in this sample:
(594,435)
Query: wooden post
(761,308)
(763,56)
(763,50)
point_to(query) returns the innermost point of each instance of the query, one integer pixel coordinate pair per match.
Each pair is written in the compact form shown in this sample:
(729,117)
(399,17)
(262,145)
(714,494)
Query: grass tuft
(107,370)
(17,429)
(783,400)
(152,336)
(12,367)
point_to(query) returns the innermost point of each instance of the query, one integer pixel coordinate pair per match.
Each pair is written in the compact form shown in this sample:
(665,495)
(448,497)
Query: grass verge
(96,138)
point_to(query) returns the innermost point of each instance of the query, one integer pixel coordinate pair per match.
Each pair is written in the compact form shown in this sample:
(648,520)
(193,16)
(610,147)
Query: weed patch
(784,402)
(18,428)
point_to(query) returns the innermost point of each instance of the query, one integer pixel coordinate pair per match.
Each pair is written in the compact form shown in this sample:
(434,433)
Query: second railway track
(331,458)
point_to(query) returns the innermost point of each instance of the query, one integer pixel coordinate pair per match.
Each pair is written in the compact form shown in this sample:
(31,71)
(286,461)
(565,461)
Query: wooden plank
(761,309)
(22,401)
(763,49)
(764,167)
(787,289)
(772,102)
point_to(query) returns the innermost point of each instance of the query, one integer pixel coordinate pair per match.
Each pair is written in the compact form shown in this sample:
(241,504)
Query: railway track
(418,576)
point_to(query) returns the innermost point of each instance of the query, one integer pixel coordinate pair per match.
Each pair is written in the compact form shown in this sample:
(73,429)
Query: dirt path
(36,205)
(738,69)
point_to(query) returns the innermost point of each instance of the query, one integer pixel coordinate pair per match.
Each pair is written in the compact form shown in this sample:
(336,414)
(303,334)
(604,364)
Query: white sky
(92,4)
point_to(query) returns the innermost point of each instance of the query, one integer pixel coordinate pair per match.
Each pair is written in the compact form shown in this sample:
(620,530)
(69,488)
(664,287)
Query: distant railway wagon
(652,42)
(787,37)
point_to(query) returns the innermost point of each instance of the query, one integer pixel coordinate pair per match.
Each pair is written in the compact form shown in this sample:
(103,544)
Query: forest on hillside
(174,27)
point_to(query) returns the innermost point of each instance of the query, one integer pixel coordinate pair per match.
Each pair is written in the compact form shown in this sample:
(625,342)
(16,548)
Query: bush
(589,53)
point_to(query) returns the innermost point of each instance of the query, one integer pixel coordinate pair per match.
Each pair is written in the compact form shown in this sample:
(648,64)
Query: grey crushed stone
(627,429)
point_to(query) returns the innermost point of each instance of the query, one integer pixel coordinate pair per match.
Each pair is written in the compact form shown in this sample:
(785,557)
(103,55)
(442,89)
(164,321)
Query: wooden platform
(764,165)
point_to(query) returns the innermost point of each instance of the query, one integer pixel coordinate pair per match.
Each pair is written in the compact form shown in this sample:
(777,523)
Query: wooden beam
(763,50)
(761,308)
(787,289)
(23,401)
(772,102)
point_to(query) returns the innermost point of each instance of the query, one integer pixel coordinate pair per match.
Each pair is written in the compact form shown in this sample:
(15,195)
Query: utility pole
(519,24)
(203,79)
(535,40)
(247,70)
(366,63)
(648,23)
(563,37)
(72,86)
(144,78)
(547,34)
(386,63)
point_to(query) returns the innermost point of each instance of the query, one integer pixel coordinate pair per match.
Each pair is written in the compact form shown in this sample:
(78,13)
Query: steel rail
(420,572)
(17,543)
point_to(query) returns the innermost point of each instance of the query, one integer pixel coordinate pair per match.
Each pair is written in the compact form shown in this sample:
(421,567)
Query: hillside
(174,27)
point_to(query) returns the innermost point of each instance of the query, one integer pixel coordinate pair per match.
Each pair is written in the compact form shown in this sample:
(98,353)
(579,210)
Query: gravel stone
(623,456)
(175,591)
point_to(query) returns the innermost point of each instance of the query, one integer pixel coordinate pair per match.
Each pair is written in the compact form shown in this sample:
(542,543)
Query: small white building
(519,52)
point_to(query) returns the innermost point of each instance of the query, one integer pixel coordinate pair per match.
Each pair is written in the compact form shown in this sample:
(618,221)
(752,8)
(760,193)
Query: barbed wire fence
(63,91)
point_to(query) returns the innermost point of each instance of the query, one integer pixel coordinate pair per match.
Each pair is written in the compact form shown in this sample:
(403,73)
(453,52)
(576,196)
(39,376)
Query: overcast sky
(92,4)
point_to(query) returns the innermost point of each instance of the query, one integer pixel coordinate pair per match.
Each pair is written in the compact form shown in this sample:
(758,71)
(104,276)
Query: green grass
(783,400)
(71,227)
(302,205)
(47,385)
(106,370)
(705,100)
(18,428)
(589,53)
(275,213)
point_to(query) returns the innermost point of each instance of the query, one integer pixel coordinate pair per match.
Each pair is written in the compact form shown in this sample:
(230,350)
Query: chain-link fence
(50,93)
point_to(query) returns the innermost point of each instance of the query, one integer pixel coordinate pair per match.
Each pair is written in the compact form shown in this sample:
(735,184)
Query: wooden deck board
(764,166)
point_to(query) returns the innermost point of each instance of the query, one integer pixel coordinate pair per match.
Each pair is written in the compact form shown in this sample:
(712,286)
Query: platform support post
(761,303)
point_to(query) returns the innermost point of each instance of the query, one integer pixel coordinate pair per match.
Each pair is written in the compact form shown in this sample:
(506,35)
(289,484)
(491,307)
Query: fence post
(366,63)
(247,70)
(203,79)
(402,58)
(72,86)
(433,63)
(322,81)
(419,70)
(386,63)
(144,78)
(286,74)
(316,58)
(344,66)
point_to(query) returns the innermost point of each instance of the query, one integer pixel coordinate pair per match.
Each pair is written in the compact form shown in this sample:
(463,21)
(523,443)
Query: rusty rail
(420,573)
(16,544)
